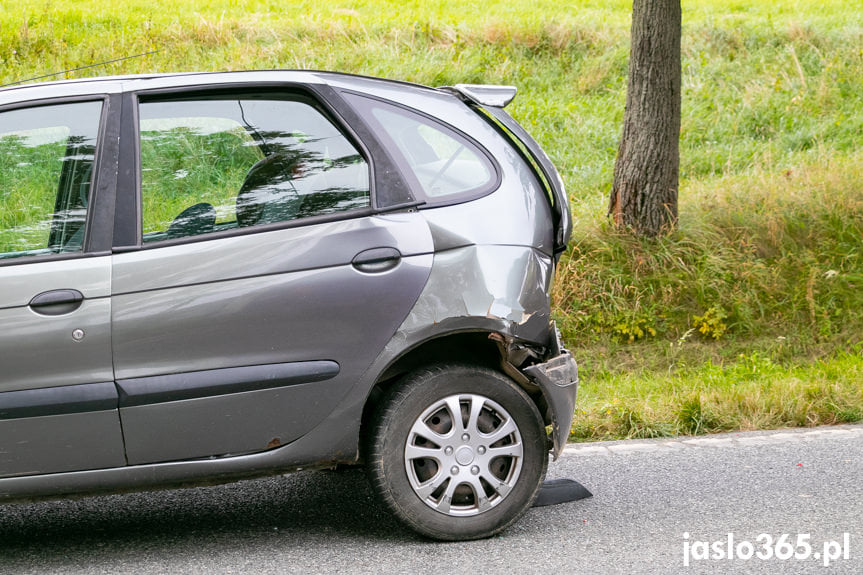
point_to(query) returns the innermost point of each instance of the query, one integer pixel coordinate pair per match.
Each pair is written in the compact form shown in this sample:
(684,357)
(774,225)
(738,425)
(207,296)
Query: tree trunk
(644,192)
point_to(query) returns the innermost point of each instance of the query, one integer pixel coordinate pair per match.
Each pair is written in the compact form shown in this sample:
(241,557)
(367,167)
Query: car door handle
(57,302)
(377,260)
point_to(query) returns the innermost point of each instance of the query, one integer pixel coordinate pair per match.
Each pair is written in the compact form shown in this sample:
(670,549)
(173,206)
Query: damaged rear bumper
(558,379)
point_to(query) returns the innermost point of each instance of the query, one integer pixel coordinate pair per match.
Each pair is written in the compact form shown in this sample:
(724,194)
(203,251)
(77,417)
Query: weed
(694,417)
(633,329)
(711,324)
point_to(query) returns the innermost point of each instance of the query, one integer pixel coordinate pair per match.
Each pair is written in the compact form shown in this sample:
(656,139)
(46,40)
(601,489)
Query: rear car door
(260,283)
(58,402)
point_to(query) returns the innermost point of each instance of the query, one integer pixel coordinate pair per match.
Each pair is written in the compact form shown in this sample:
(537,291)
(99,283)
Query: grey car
(210,277)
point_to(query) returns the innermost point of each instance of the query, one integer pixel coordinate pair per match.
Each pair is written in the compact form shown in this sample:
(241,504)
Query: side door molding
(213,382)
(59,400)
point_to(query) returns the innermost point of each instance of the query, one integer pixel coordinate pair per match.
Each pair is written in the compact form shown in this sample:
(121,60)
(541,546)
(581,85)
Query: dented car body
(220,276)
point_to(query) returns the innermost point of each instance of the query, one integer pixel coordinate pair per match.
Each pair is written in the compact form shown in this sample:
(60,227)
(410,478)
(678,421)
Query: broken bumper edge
(558,380)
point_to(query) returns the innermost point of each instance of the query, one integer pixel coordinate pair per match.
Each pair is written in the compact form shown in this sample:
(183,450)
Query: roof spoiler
(484,94)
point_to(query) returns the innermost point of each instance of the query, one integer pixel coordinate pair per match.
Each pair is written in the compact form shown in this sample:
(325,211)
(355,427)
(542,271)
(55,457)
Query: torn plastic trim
(557,377)
(513,354)
(485,94)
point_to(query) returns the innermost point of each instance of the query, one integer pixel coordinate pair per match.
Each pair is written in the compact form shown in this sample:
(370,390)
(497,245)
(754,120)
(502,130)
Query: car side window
(46,168)
(218,163)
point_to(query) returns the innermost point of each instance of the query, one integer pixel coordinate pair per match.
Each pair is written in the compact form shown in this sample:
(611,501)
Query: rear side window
(46,168)
(214,164)
(446,165)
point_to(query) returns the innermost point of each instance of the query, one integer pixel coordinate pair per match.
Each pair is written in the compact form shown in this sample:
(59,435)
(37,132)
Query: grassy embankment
(749,316)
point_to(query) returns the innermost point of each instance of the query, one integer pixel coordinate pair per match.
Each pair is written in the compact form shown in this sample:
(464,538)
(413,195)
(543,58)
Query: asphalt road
(647,495)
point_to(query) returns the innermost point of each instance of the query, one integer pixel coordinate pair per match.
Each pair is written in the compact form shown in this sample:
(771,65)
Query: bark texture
(644,192)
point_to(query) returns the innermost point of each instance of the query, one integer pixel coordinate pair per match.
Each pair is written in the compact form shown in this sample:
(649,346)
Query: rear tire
(457,452)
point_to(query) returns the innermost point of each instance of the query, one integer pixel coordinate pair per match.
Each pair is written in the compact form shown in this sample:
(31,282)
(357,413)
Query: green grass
(752,392)
(768,260)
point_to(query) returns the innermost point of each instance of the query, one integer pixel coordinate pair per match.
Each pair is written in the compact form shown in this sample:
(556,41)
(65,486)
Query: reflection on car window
(443,163)
(46,165)
(220,163)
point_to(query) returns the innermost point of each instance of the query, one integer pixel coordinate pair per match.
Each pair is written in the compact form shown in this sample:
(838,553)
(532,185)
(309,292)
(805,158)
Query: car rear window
(446,165)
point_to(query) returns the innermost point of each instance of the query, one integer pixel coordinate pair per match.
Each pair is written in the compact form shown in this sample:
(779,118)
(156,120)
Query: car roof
(117,84)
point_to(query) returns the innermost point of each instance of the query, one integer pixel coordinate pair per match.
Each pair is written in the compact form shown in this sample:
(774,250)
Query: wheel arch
(479,348)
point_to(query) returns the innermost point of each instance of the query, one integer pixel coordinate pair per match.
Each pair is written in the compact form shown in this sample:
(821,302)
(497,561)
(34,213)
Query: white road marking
(714,441)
